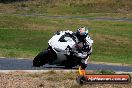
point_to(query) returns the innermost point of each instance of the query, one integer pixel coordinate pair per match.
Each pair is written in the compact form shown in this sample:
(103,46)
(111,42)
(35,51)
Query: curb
(37,71)
(107,63)
(46,71)
(16,58)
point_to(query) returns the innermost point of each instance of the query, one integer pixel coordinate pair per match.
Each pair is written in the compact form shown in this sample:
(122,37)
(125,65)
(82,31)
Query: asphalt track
(26,64)
(73,17)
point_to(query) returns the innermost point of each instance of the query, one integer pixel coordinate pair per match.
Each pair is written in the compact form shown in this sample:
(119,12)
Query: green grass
(104,72)
(112,42)
(22,36)
(25,36)
(17,42)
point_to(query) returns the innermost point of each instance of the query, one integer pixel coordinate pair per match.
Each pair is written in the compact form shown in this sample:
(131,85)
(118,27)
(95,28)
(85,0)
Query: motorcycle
(63,50)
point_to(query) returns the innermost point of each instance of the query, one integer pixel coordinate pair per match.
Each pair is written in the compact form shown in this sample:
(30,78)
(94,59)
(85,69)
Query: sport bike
(64,50)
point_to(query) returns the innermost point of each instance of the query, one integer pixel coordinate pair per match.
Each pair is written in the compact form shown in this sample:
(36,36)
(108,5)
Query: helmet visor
(83,31)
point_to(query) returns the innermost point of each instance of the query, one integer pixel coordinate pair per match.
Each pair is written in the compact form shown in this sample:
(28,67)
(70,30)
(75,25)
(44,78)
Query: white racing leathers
(83,50)
(66,45)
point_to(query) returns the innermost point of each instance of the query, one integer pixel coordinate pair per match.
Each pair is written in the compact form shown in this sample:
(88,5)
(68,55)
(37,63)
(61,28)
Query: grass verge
(20,79)
(25,36)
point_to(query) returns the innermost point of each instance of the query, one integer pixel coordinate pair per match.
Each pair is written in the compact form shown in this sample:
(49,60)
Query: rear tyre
(41,59)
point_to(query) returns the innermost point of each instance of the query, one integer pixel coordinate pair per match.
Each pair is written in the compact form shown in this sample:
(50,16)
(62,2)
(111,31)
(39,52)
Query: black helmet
(82,33)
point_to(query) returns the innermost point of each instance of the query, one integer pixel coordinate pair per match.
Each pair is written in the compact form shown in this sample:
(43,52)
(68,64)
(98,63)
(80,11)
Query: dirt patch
(50,79)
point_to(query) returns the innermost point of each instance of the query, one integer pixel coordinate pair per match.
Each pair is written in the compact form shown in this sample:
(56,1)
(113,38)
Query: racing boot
(82,71)
(82,66)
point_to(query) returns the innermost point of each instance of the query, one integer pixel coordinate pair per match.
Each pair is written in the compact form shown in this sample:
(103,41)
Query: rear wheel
(41,59)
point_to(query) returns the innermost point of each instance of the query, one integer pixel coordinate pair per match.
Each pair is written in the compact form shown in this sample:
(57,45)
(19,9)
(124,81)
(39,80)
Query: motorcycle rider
(82,43)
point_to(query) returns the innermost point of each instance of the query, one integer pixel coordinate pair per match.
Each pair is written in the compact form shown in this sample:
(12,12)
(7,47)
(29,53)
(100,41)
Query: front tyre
(41,59)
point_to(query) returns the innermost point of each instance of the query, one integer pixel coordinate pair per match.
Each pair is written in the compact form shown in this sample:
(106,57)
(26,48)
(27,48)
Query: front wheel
(41,59)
